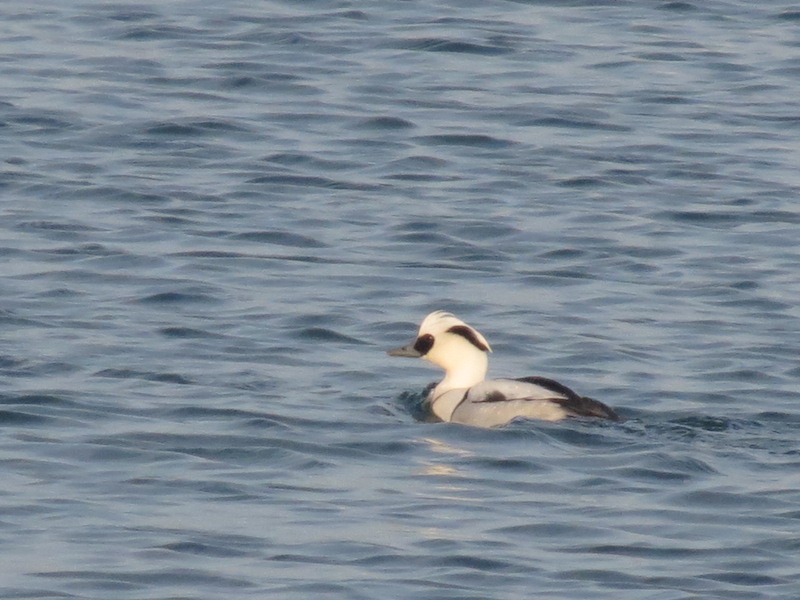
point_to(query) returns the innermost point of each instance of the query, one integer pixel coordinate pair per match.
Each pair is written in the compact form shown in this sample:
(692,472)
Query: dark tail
(583,406)
(589,407)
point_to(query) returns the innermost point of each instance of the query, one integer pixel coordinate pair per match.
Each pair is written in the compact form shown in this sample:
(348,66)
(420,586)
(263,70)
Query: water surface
(216,217)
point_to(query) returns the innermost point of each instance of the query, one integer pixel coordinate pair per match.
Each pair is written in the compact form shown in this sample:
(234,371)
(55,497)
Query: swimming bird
(466,396)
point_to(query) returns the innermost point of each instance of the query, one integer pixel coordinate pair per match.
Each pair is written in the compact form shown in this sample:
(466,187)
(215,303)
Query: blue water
(215,217)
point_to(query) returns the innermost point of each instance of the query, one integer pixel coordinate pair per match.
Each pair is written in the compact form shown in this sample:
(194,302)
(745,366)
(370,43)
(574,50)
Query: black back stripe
(500,397)
(463,399)
(469,335)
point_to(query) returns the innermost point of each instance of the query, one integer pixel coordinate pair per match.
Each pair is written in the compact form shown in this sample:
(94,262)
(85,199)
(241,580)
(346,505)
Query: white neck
(470,369)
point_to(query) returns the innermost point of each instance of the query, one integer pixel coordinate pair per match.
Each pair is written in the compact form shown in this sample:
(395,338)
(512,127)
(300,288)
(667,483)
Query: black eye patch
(423,344)
(469,335)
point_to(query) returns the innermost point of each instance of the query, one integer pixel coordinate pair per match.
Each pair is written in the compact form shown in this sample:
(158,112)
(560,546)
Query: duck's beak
(407,351)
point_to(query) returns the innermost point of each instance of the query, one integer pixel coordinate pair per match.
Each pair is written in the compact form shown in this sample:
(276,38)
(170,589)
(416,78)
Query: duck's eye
(423,344)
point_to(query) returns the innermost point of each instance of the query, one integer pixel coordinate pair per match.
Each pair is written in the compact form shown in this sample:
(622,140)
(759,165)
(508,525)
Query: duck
(465,396)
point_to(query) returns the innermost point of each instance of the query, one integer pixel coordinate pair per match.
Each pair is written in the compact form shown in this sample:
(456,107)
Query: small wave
(146,375)
(455,46)
(280,238)
(179,298)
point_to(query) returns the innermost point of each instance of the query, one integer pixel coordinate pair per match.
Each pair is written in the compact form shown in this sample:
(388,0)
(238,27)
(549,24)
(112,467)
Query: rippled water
(216,216)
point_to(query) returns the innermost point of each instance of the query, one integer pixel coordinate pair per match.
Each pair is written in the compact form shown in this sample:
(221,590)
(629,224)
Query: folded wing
(540,389)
